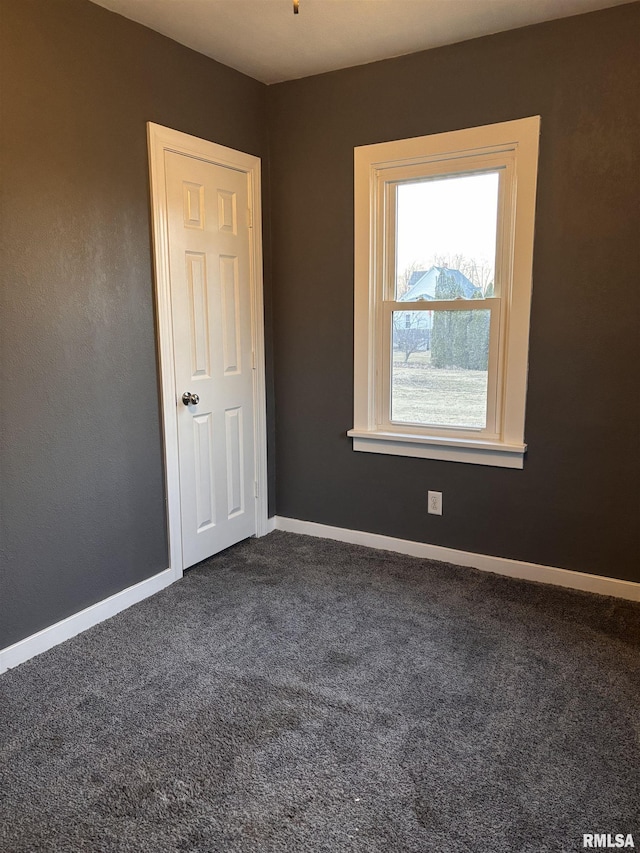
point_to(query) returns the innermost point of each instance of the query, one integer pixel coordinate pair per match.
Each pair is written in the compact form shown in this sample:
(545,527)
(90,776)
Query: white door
(209,271)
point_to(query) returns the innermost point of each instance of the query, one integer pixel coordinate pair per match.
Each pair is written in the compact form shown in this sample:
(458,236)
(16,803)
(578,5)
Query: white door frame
(161,139)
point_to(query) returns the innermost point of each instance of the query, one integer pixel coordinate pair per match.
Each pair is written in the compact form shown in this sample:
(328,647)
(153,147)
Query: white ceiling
(264,39)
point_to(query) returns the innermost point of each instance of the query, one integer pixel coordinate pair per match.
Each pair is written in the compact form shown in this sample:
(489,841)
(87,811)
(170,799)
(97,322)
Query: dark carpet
(295,694)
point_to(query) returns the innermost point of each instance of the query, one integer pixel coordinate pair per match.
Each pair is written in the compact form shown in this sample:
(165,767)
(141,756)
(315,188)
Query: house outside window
(443,260)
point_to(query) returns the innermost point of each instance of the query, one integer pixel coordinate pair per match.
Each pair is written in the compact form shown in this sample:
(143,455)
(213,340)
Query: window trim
(512,146)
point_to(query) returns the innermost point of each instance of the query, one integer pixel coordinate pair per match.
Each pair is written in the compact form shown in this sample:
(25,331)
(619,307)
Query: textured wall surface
(575,504)
(82,484)
(81,488)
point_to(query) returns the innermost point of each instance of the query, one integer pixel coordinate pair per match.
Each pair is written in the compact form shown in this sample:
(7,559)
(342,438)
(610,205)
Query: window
(443,256)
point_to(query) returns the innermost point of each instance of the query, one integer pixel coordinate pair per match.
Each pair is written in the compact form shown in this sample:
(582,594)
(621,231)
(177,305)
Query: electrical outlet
(435,503)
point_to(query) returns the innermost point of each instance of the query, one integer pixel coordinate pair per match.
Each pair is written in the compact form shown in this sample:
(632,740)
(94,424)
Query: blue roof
(416,275)
(422,284)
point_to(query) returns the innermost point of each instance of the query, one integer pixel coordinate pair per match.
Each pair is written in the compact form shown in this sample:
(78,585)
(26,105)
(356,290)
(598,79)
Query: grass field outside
(423,394)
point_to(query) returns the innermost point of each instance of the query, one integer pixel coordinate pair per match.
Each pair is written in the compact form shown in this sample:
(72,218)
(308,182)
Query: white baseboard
(497,565)
(53,635)
(271,524)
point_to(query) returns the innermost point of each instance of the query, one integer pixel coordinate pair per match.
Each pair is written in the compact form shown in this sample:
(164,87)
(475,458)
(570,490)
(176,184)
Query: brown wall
(575,504)
(82,484)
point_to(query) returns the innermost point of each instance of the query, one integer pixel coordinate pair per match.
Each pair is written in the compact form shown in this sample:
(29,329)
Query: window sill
(495,453)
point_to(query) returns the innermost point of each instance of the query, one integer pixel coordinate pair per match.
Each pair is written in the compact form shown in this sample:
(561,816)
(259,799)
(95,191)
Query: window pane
(446,237)
(439,367)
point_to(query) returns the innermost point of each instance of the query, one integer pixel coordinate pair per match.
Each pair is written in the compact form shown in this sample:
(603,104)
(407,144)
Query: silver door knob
(190,399)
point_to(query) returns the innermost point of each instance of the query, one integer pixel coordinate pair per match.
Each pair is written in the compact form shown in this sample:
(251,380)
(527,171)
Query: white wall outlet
(435,503)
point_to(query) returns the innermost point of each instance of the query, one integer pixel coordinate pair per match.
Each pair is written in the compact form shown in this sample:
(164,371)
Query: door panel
(209,260)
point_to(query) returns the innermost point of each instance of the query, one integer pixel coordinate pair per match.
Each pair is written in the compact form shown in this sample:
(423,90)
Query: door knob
(190,399)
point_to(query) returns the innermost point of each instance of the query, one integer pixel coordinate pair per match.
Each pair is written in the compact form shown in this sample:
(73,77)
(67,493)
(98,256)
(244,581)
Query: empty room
(319,426)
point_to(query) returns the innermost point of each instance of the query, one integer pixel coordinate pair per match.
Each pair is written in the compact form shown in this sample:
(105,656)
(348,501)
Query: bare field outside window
(423,394)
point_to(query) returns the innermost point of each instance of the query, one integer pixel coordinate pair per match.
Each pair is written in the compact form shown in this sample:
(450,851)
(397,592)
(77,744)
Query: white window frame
(511,148)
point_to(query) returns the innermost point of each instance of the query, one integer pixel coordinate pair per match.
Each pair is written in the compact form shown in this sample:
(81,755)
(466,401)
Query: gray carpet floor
(294,694)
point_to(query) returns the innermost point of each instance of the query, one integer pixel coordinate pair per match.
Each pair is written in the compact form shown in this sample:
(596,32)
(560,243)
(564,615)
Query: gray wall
(82,502)
(82,484)
(575,504)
